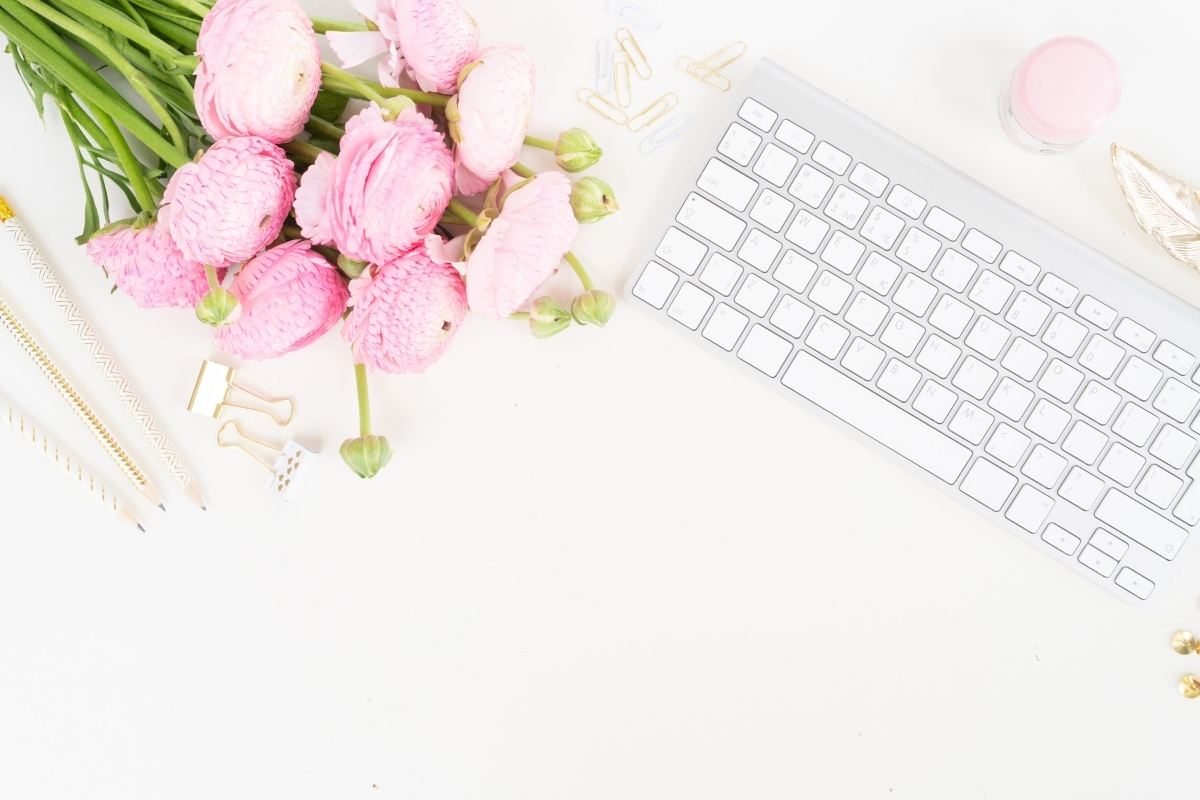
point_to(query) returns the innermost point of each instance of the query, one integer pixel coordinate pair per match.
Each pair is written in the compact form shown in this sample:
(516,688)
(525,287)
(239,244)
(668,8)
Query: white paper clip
(602,107)
(604,66)
(653,112)
(290,470)
(634,15)
(665,134)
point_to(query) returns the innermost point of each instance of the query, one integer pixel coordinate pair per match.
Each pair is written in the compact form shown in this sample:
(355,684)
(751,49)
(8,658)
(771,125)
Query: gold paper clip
(636,57)
(654,112)
(665,133)
(289,470)
(602,107)
(637,16)
(215,384)
(708,71)
(621,80)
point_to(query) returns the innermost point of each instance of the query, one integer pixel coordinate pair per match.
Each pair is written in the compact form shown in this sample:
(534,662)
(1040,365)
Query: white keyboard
(1014,367)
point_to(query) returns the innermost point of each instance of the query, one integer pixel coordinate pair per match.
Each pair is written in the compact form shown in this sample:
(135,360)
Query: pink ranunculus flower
(289,296)
(260,69)
(384,193)
(147,266)
(521,249)
(230,204)
(430,39)
(403,313)
(489,116)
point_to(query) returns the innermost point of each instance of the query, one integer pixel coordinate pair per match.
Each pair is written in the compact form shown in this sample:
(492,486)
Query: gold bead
(1184,643)
(1189,686)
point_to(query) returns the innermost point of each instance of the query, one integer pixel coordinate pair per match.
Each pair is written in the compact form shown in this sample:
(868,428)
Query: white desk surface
(604,565)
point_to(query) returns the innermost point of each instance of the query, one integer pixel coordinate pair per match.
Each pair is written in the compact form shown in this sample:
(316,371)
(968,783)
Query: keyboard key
(1188,509)
(843,252)
(1081,488)
(775,165)
(869,180)
(918,249)
(1028,313)
(879,274)
(1094,560)
(863,358)
(1135,424)
(1020,268)
(1057,290)
(1011,399)
(1008,444)
(1024,359)
(866,313)
(756,295)
(971,423)
(1122,464)
(727,184)
(1112,546)
(794,136)
(988,338)
(988,484)
(1060,539)
(830,292)
(655,285)
(846,206)
(991,292)
(681,251)
(1044,466)
(831,158)
(721,274)
(1159,486)
(975,377)
(983,246)
(1096,313)
(810,186)
(771,210)
(765,351)
(882,228)
(1139,378)
(827,337)
(947,225)
(1030,509)
(807,232)
(1048,421)
(1102,356)
(725,326)
(899,380)
(757,114)
(1176,400)
(954,270)
(887,424)
(1135,335)
(1139,523)
(1137,585)
(938,356)
(906,202)
(795,271)
(791,316)
(759,250)
(915,295)
(1061,381)
(1174,358)
(690,306)
(1098,402)
(739,144)
(1084,442)
(710,221)
(935,401)
(950,316)
(1065,335)
(902,335)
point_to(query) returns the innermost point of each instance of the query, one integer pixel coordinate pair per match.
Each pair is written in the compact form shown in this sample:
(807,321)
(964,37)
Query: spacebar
(885,423)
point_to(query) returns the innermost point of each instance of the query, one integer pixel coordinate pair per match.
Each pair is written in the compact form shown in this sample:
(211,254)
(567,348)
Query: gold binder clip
(602,107)
(654,112)
(215,384)
(290,470)
(636,57)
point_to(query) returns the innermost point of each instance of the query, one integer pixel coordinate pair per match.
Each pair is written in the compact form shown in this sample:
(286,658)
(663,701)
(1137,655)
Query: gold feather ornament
(1166,207)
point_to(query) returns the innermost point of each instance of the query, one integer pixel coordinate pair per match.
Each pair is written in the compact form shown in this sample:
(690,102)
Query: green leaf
(329,106)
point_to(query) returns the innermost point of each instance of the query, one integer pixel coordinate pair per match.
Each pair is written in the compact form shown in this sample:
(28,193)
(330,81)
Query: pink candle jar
(1062,93)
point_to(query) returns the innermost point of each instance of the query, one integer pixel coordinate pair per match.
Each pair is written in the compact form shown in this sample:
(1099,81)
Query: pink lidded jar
(1062,93)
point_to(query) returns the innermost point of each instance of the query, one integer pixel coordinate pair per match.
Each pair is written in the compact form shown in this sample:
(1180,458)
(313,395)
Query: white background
(604,565)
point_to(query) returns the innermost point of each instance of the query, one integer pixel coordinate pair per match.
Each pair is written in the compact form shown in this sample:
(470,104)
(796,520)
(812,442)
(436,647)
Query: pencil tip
(160,505)
(204,508)
(140,528)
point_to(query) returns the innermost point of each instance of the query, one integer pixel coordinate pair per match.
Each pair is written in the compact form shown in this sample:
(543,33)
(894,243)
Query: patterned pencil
(11,223)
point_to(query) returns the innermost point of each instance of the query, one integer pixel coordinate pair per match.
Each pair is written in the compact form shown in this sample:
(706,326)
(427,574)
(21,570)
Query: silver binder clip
(604,66)
(665,134)
(634,15)
(214,386)
(290,470)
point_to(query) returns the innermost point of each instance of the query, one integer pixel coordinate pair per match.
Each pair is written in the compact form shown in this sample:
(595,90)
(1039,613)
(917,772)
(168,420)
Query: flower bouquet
(256,206)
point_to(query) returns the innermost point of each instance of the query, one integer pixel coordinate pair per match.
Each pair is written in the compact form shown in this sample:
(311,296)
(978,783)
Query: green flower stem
(198,10)
(129,163)
(323,25)
(363,85)
(353,81)
(132,13)
(584,278)
(523,171)
(78,82)
(324,129)
(302,150)
(171,30)
(84,120)
(463,213)
(52,38)
(519,315)
(210,272)
(119,23)
(541,144)
(364,400)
